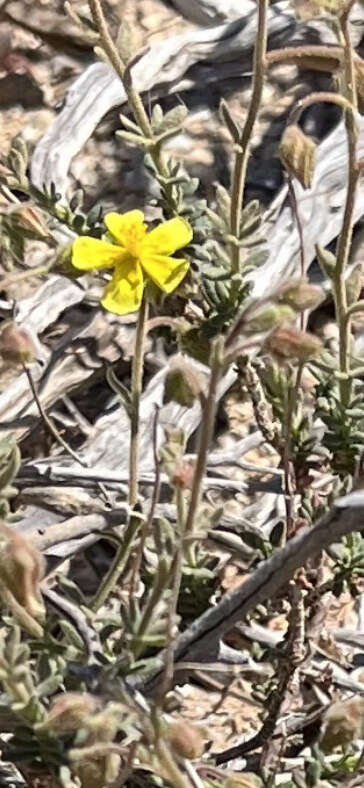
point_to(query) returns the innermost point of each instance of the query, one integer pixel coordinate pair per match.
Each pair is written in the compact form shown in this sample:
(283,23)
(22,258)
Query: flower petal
(166,272)
(120,223)
(89,253)
(169,236)
(125,291)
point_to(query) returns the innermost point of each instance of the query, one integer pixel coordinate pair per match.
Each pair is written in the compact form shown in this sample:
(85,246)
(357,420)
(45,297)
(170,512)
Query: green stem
(148,523)
(134,99)
(119,563)
(206,431)
(176,778)
(177,574)
(354,308)
(119,66)
(160,584)
(242,155)
(136,391)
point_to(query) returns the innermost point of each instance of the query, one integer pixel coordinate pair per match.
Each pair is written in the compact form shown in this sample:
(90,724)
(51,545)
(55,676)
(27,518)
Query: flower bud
(326,260)
(353,285)
(264,318)
(22,568)
(29,218)
(301,295)
(287,343)
(16,344)
(64,263)
(186,740)
(342,724)
(183,475)
(297,154)
(183,383)
(69,712)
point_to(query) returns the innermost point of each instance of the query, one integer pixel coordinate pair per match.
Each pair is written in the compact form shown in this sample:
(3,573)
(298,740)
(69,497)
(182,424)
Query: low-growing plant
(79,707)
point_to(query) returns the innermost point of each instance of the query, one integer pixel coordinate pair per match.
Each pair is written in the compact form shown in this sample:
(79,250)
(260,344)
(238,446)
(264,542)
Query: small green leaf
(136,139)
(229,121)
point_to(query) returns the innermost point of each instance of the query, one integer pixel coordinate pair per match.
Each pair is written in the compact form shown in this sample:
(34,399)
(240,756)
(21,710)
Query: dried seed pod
(22,568)
(342,724)
(301,295)
(287,343)
(186,740)
(183,475)
(29,218)
(69,712)
(16,344)
(264,318)
(297,154)
(183,383)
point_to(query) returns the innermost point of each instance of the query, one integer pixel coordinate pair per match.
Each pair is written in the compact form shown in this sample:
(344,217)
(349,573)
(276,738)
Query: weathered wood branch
(201,640)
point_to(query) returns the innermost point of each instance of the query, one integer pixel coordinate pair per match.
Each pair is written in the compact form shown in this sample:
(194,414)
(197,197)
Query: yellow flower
(136,256)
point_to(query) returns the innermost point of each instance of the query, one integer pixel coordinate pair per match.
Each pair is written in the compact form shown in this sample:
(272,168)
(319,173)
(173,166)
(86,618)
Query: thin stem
(176,778)
(160,584)
(24,618)
(262,409)
(136,391)
(289,474)
(119,563)
(345,238)
(104,33)
(134,99)
(119,66)
(47,421)
(206,431)
(242,155)
(317,57)
(233,355)
(286,459)
(176,585)
(349,56)
(319,97)
(286,670)
(297,217)
(354,308)
(12,279)
(148,524)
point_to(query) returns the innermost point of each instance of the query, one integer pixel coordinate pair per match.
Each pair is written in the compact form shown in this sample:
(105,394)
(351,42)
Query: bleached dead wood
(89,342)
(201,640)
(108,447)
(179,63)
(320,209)
(161,69)
(211,12)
